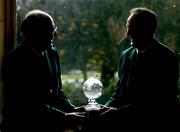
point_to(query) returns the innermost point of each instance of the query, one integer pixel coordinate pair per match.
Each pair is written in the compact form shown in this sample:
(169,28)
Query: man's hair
(145,18)
(37,22)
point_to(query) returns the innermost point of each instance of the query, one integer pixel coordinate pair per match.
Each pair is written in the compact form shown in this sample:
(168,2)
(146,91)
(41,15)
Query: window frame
(10,25)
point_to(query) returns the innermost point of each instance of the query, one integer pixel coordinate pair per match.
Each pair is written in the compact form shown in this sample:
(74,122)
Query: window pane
(90,33)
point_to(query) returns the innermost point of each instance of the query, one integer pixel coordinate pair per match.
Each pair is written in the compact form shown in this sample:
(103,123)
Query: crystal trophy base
(92,106)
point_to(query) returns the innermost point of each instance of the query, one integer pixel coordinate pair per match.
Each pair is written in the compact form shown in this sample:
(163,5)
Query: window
(90,32)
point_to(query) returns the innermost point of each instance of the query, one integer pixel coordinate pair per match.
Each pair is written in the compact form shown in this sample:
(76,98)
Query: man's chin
(133,45)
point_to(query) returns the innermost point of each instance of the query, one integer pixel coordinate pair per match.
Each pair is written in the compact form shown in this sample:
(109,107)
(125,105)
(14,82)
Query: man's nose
(128,33)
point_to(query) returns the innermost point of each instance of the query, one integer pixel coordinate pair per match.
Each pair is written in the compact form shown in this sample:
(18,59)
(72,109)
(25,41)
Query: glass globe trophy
(92,89)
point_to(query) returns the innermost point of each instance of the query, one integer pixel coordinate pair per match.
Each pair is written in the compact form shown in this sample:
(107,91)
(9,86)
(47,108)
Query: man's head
(39,28)
(141,26)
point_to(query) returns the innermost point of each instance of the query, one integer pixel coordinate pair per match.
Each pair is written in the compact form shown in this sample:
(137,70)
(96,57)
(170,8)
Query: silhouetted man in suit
(33,95)
(146,92)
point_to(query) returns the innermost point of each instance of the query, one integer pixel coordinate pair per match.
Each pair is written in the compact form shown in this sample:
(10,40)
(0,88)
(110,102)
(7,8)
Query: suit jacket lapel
(132,62)
(48,64)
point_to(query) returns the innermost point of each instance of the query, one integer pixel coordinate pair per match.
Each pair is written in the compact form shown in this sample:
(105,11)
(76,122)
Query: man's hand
(80,109)
(104,110)
(75,114)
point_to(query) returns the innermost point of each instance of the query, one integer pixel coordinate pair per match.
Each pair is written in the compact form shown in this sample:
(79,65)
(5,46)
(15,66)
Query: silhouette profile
(33,95)
(148,77)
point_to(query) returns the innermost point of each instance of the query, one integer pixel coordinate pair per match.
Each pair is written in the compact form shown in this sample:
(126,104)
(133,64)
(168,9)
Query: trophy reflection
(92,89)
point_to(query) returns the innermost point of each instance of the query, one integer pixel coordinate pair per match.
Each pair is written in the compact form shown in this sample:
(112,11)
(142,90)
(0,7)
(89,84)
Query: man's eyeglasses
(55,31)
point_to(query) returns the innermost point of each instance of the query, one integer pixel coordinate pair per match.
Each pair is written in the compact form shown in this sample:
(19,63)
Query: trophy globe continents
(92,89)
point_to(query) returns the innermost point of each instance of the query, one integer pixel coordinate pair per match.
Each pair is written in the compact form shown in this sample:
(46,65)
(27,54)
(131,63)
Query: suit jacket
(148,82)
(33,89)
